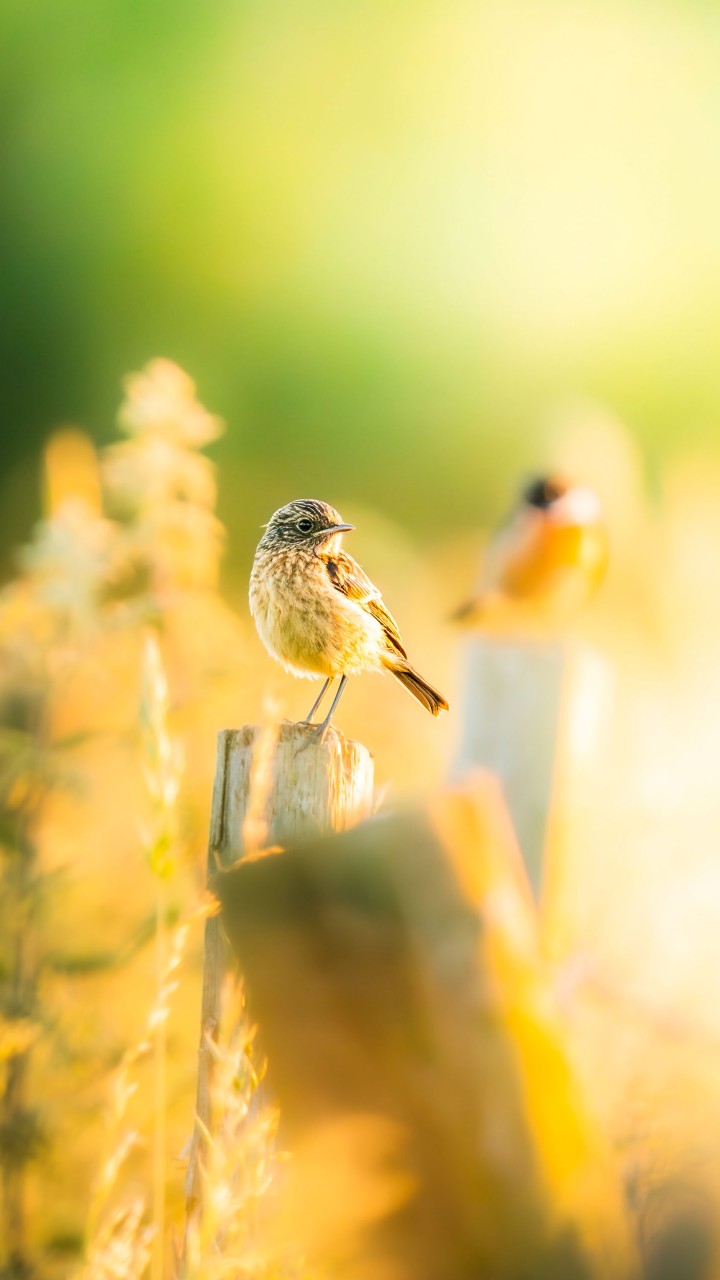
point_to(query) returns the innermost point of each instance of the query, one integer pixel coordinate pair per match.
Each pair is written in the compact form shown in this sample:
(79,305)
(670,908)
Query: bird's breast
(549,553)
(290,605)
(305,623)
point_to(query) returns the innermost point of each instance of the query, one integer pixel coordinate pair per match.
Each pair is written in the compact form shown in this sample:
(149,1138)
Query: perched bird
(316,611)
(550,554)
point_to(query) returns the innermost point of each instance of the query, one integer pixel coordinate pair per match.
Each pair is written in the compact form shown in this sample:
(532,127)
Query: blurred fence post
(437,1127)
(533,713)
(272,786)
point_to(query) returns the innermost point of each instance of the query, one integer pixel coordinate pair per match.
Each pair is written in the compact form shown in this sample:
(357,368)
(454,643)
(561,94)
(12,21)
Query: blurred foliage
(92,591)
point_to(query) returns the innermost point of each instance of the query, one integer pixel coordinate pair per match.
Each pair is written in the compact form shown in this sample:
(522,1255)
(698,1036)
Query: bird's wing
(349,579)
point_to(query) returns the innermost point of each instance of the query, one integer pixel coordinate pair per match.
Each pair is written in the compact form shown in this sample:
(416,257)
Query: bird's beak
(340,528)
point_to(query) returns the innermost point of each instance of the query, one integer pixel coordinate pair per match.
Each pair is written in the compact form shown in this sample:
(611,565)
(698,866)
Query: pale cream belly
(312,634)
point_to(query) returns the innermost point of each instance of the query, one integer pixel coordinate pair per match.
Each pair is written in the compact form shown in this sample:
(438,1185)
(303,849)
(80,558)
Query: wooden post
(272,786)
(533,713)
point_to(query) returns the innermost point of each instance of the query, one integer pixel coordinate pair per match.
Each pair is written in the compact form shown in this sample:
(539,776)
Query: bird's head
(561,501)
(306,523)
(542,492)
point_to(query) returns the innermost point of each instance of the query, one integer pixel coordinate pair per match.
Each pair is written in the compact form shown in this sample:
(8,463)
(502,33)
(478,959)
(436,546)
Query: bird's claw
(317,737)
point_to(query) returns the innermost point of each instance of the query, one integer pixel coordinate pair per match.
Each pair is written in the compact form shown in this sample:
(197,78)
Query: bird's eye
(305,525)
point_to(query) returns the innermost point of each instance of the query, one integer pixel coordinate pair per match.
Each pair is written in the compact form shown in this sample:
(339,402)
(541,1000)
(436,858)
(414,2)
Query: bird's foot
(317,737)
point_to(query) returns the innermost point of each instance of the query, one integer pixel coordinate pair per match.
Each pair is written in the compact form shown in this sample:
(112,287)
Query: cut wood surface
(272,785)
(292,780)
(435,1124)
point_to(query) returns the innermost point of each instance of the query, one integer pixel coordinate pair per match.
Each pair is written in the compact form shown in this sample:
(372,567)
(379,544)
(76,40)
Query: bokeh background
(389,241)
(409,252)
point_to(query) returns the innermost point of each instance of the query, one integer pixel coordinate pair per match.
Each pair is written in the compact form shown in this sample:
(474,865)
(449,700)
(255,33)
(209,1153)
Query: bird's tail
(420,689)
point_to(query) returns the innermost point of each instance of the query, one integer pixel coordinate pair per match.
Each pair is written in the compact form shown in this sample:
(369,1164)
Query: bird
(317,612)
(549,555)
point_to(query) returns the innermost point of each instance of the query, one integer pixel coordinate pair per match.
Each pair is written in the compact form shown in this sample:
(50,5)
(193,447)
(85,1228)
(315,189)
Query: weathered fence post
(272,786)
(533,713)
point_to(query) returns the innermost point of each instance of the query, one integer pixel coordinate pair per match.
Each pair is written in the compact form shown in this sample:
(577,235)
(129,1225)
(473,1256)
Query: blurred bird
(316,611)
(550,554)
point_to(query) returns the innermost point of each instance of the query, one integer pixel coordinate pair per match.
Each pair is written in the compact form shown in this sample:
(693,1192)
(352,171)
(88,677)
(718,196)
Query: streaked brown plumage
(318,613)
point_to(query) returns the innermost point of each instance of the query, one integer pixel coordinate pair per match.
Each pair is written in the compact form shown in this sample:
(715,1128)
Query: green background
(389,239)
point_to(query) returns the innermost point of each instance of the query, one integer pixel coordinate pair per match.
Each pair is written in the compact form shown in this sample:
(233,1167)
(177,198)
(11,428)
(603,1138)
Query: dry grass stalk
(243,1173)
(119,1233)
(162,770)
(255,827)
(121,1249)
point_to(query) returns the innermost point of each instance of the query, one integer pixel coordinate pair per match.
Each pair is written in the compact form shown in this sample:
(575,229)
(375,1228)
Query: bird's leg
(319,729)
(335,701)
(318,700)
